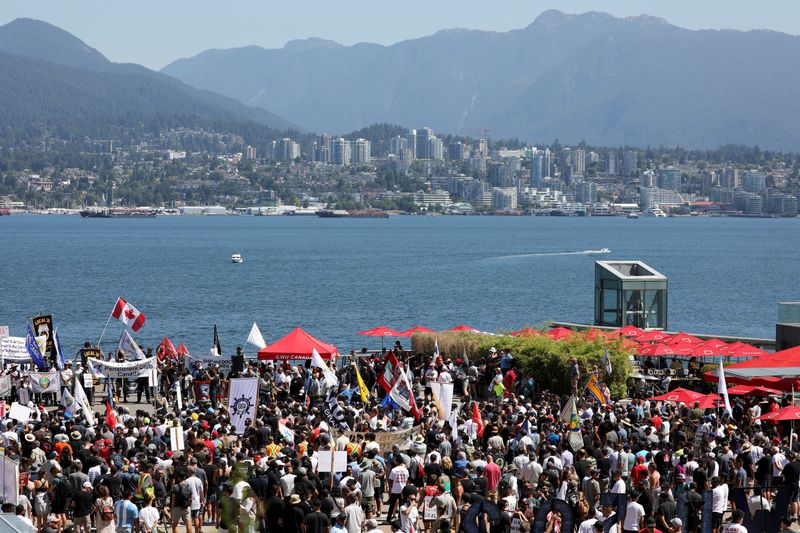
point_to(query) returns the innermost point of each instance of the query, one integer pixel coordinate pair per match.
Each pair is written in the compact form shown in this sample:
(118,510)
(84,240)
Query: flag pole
(104,330)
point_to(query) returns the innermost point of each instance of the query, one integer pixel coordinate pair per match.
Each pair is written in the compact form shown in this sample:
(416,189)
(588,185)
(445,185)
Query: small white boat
(632,215)
(236,258)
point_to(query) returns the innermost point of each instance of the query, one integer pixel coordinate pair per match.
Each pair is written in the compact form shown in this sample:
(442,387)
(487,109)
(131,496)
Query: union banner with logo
(242,402)
(42,382)
(43,327)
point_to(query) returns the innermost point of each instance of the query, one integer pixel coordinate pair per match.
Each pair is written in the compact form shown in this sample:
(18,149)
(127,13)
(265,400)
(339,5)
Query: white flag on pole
(69,403)
(330,375)
(129,347)
(83,403)
(255,338)
(723,387)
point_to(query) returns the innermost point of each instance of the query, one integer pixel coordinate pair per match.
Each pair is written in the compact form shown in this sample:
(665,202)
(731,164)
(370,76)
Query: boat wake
(542,254)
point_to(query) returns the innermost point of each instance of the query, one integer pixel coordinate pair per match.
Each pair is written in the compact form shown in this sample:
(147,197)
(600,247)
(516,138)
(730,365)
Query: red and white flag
(128,314)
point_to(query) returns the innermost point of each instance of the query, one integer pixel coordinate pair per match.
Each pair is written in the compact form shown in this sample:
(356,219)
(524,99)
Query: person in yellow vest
(145,489)
(272,449)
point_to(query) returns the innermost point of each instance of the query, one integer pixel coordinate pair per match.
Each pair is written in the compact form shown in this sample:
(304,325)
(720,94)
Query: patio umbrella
(417,329)
(710,401)
(463,328)
(658,350)
(715,344)
(593,334)
(679,395)
(741,349)
(560,333)
(762,392)
(526,332)
(681,338)
(631,331)
(790,412)
(652,336)
(382,331)
(701,350)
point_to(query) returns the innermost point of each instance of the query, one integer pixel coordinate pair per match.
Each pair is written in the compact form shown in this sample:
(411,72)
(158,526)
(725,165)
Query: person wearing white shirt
(532,471)
(634,516)
(566,458)
(719,503)
(619,484)
(736,523)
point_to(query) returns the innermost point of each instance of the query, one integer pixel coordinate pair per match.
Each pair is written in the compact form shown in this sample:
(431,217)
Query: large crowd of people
(506,458)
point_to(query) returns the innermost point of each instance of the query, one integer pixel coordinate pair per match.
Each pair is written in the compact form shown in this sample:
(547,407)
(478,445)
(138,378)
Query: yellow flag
(362,387)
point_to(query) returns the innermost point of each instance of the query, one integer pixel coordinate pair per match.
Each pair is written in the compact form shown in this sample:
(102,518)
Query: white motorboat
(237,258)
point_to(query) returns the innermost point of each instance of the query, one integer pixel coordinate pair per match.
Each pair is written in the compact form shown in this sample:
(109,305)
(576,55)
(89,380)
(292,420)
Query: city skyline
(155,37)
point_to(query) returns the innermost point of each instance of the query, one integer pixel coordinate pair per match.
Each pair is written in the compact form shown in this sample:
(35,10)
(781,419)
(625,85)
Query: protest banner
(126,369)
(386,439)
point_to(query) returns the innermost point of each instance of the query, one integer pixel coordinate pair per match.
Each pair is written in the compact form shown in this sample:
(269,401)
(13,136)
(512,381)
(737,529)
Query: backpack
(416,471)
(183,496)
(107,512)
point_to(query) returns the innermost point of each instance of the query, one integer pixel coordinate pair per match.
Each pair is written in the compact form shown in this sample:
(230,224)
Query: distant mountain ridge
(592,76)
(49,77)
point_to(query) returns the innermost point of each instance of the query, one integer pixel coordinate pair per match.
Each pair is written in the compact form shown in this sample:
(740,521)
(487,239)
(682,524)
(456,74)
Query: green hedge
(545,359)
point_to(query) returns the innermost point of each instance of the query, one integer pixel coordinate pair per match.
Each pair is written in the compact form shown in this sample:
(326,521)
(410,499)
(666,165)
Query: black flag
(216,349)
(333,413)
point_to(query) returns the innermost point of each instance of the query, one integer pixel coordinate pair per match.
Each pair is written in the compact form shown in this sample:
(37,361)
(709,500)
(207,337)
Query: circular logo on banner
(241,406)
(44,382)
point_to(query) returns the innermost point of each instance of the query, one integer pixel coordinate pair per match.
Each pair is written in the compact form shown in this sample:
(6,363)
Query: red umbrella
(631,331)
(681,337)
(653,336)
(679,395)
(741,349)
(593,334)
(657,350)
(526,332)
(786,413)
(560,333)
(715,344)
(701,350)
(710,401)
(417,329)
(763,392)
(462,328)
(381,331)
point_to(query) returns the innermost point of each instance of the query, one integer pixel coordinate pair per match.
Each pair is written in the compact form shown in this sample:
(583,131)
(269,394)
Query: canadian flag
(128,314)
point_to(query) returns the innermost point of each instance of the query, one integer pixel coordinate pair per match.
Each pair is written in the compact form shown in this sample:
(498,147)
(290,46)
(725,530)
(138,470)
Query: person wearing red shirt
(651,527)
(492,473)
(509,379)
(639,472)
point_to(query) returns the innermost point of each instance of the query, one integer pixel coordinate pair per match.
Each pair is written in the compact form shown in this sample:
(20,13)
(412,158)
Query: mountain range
(610,81)
(51,79)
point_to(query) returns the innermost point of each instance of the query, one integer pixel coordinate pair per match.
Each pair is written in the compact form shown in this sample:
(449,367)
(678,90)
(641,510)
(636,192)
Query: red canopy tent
(296,345)
(681,338)
(560,333)
(653,336)
(631,331)
(679,395)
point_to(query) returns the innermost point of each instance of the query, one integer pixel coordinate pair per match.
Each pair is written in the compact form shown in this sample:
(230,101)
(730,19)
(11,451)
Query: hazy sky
(156,33)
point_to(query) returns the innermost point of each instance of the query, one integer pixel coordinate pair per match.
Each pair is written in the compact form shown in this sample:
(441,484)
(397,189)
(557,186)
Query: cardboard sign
(338,464)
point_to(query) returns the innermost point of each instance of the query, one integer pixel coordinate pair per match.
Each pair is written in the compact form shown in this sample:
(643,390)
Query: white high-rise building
(361,151)
(341,151)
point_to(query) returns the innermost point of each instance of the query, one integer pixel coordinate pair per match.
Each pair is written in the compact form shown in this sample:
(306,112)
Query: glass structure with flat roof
(629,292)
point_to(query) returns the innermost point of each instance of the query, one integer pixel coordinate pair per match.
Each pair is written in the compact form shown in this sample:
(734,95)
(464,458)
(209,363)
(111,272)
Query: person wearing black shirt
(274,509)
(82,507)
(316,521)
(791,477)
(293,515)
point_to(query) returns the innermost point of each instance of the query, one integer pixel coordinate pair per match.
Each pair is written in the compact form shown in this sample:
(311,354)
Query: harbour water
(334,277)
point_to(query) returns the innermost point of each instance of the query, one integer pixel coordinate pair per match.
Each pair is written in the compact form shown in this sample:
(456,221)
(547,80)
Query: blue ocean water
(335,277)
